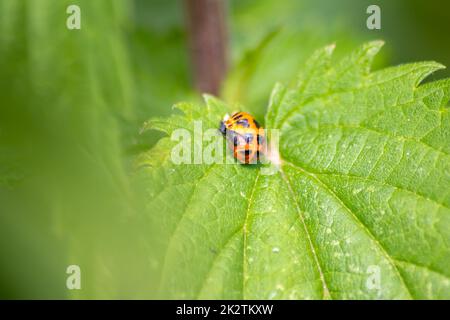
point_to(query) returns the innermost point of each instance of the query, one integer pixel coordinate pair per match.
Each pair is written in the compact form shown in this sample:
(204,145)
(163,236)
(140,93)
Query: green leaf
(360,208)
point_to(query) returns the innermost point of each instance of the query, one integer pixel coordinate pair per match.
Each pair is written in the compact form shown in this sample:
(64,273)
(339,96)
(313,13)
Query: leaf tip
(330,48)
(434,66)
(438,66)
(421,70)
(184,107)
(373,47)
(209,99)
(145,127)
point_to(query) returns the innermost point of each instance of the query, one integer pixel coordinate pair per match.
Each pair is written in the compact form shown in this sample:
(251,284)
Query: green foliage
(363,185)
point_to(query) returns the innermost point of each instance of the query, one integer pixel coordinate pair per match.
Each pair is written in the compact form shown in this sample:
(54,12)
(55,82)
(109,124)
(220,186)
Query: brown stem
(208,41)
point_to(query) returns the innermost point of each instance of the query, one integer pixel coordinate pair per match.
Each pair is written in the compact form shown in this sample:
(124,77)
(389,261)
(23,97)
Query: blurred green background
(72,104)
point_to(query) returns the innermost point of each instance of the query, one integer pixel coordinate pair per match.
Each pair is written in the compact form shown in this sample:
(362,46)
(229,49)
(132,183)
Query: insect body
(245,137)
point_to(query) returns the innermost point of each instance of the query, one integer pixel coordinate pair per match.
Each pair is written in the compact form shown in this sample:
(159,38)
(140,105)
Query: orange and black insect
(245,137)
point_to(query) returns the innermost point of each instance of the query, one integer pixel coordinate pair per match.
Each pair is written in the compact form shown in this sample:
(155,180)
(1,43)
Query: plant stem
(208,39)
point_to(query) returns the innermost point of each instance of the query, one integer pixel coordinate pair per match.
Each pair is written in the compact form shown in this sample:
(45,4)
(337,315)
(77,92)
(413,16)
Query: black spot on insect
(237,116)
(248,137)
(235,140)
(259,139)
(244,123)
(257,124)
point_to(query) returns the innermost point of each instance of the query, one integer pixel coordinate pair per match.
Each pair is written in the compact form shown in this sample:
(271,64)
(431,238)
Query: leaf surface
(358,210)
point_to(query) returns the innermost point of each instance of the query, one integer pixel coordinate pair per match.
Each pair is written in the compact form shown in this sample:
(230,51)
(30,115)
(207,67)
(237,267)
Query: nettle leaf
(358,210)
